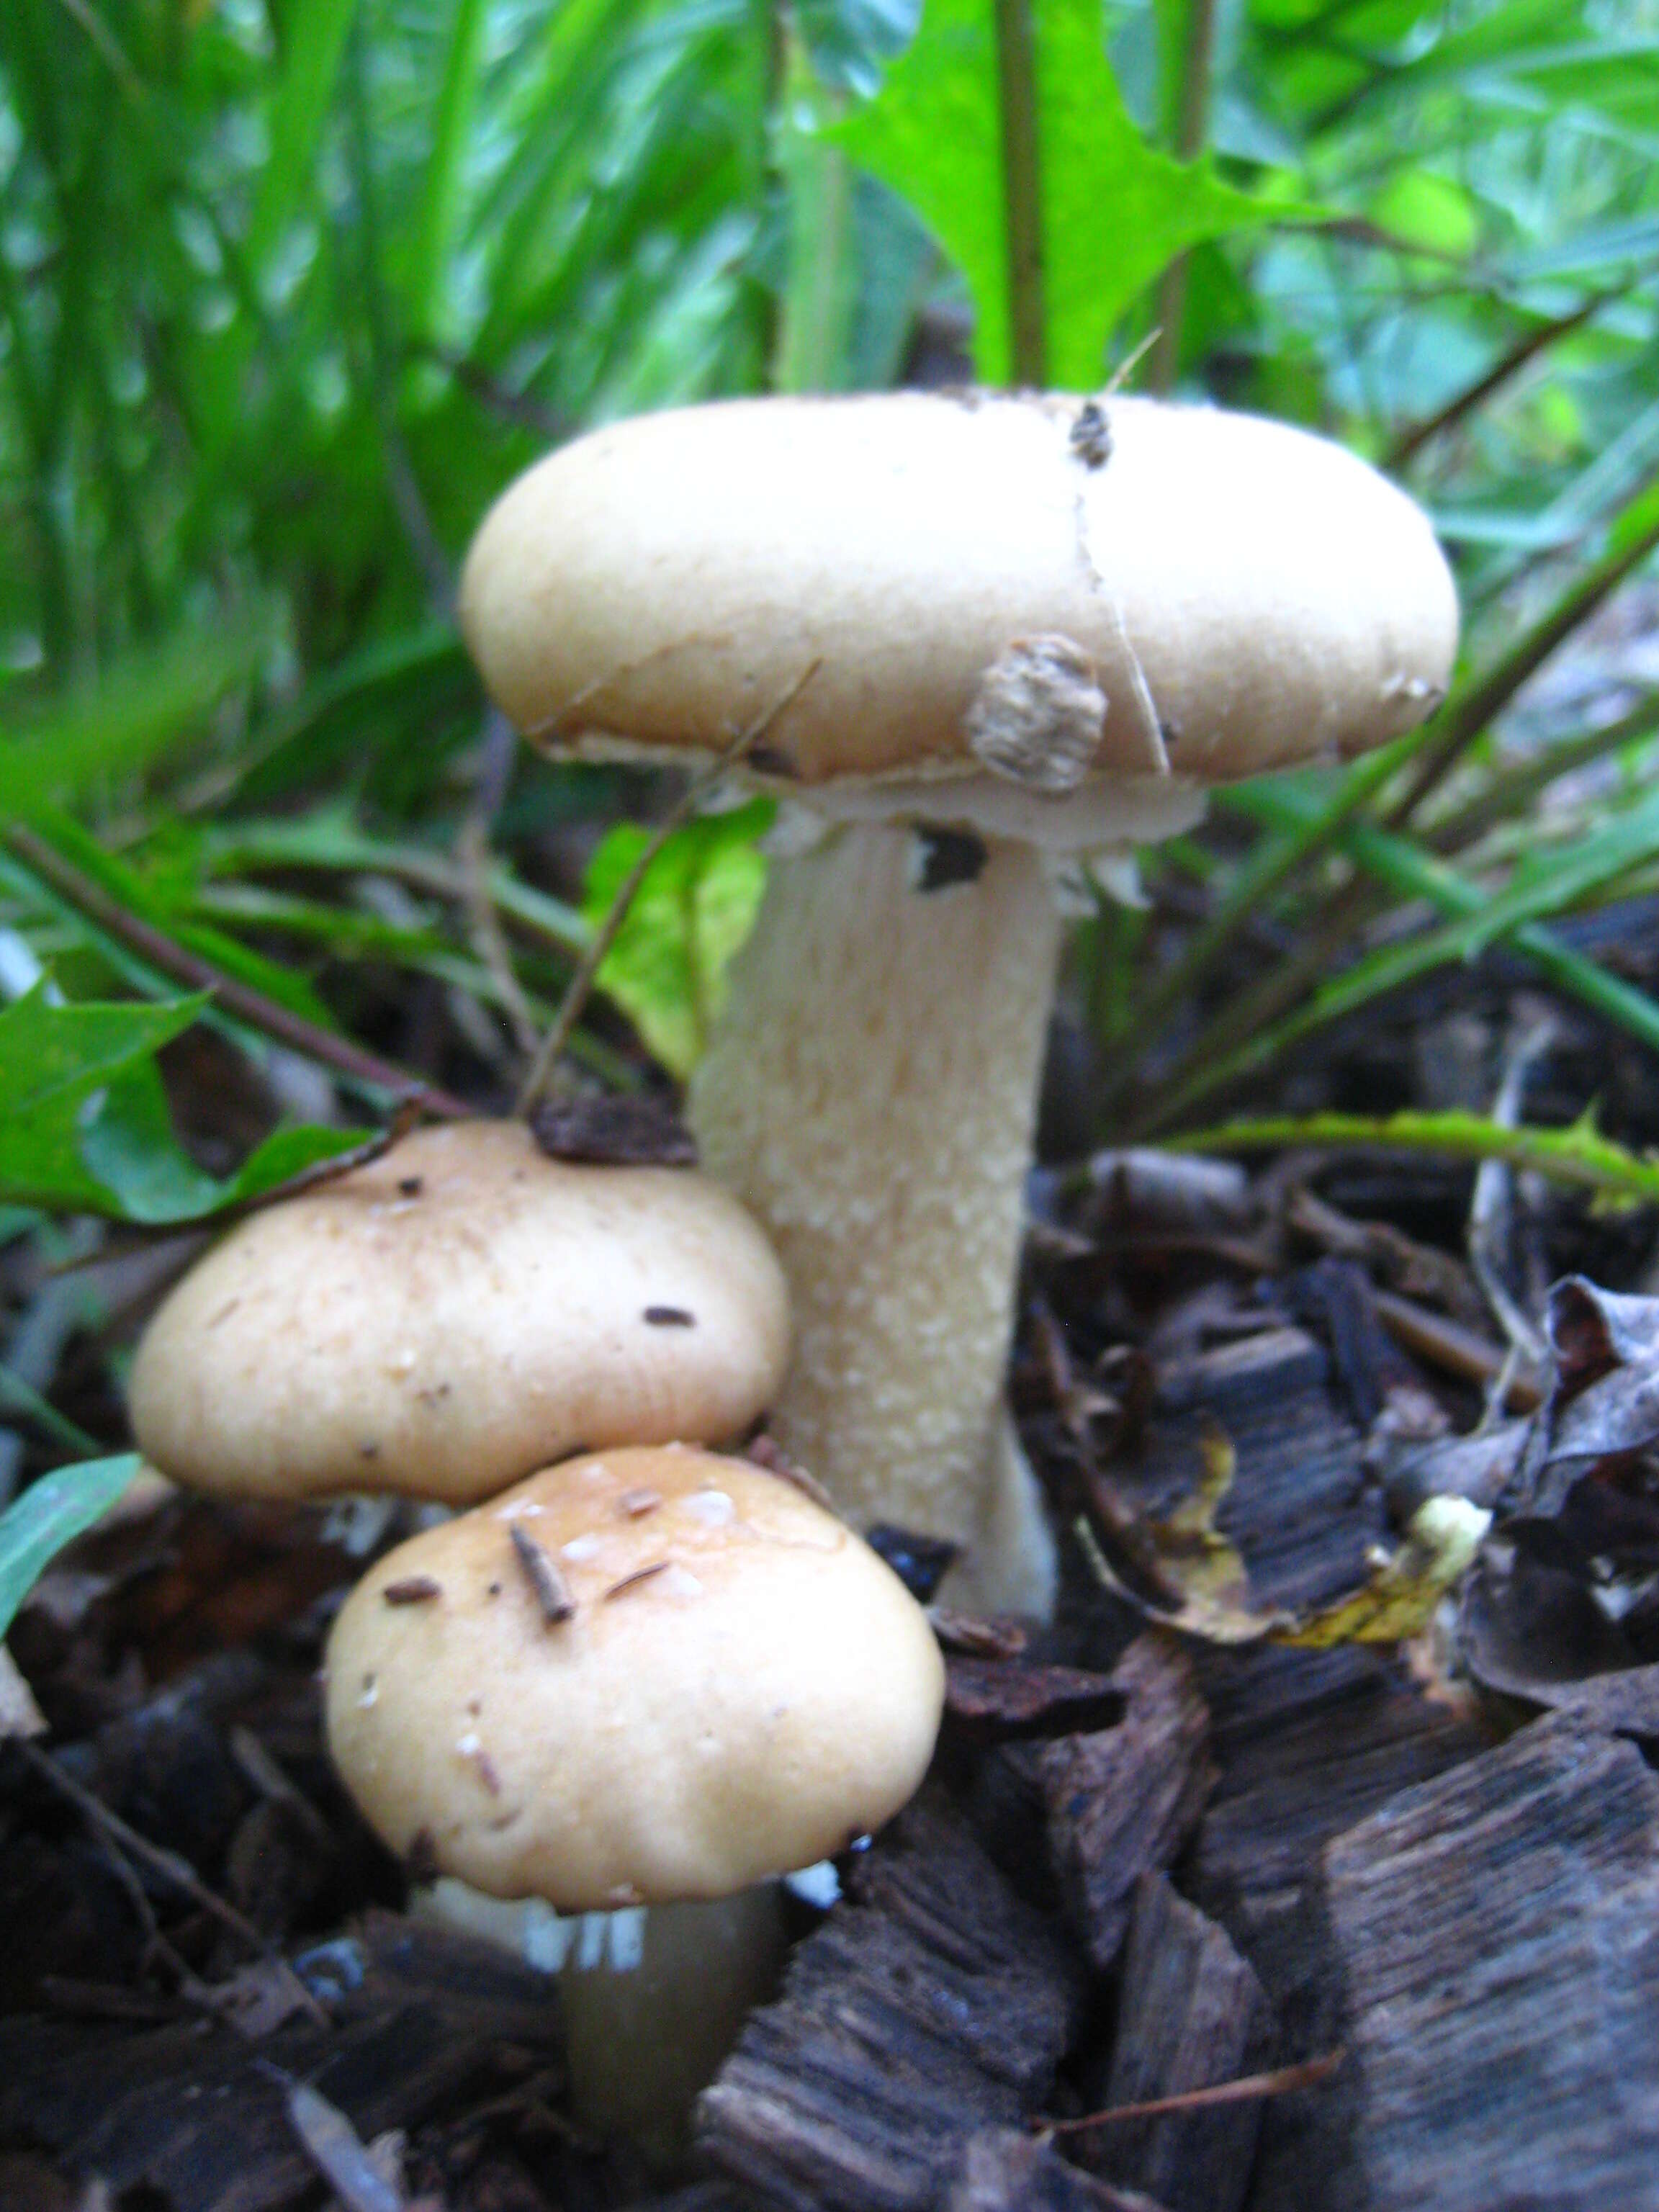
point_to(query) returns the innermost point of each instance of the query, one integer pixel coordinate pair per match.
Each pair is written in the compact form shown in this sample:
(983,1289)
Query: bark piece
(1123,1801)
(1499,1934)
(199,2115)
(1191,2013)
(1002,2169)
(1299,1509)
(1012,1700)
(932,2003)
(1306,1743)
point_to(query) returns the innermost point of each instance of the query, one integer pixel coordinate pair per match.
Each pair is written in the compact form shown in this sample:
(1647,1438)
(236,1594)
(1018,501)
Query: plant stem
(1192,124)
(1021,192)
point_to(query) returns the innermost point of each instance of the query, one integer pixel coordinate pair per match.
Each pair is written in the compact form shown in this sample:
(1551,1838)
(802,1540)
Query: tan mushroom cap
(1242,592)
(458,1312)
(741,1686)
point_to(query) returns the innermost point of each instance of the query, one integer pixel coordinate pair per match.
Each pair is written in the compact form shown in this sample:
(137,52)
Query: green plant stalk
(1467,714)
(1516,787)
(1578,1157)
(440,201)
(1408,872)
(1022,191)
(1191,122)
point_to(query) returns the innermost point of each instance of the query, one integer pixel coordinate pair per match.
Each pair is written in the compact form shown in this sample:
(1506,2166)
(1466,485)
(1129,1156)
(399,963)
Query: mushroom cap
(741,1687)
(458,1312)
(1244,595)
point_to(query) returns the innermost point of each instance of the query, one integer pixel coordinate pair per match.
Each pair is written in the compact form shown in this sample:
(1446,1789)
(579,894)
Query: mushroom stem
(652,2000)
(871,1093)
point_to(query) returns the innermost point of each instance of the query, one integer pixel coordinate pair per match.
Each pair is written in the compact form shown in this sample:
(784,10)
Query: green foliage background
(289,288)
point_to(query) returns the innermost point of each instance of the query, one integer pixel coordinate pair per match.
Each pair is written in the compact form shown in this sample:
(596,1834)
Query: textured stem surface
(871,1093)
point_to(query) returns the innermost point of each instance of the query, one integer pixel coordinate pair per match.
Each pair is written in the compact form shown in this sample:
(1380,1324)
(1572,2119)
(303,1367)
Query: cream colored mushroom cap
(740,1688)
(1242,592)
(455,1313)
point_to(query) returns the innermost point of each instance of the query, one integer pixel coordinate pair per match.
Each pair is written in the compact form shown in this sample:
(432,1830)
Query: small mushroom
(1038,623)
(455,1313)
(738,1689)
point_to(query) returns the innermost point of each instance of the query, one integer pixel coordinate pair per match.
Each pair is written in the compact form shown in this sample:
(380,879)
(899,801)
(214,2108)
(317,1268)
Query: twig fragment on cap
(552,1591)
(639,1575)
(413,1589)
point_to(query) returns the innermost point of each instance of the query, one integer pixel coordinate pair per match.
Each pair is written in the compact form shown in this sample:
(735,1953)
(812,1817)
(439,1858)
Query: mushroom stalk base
(871,1094)
(652,2000)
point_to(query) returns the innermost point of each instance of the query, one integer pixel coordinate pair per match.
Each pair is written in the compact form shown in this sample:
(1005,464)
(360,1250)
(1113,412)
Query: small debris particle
(487,1773)
(552,1591)
(1091,435)
(495,1590)
(948,857)
(1038,714)
(770,760)
(640,1575)
(669,1317)
(581,1547)
(368,1451)
(920,1561)
(714,1507)
(609,1131)
(421,1859)
(371,1692)
(409,1185)
(760,1451)
(974,1637)
(413,1589)
(636,1504)
(468,1745)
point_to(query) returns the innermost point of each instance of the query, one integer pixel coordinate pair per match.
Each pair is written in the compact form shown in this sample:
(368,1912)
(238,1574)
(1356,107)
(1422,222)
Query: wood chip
(1124,1801)
(552,1592)
(636,1504)
(932,2003)
(1009,1701)
(1192,2016)
(1494,1933)
(612,1132)
(413,1589)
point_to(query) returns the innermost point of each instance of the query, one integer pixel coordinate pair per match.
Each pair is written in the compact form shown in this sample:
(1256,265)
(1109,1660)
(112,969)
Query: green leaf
(1114,210)
(118,727)
(695,905)
(84,1124)
(49,1514)
(1579,1156)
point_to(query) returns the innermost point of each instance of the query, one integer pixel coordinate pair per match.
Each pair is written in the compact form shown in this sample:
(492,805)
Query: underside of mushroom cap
(1221,593)
(641,1676)
(460,1311)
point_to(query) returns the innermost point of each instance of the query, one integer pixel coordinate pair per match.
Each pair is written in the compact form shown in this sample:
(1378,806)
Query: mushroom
(641,1679)
(972,639)
(456,1313)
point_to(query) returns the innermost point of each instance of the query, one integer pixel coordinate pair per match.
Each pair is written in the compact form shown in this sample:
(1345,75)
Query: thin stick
(1244,2090)
(168,1864)
(582,983)
(237,999)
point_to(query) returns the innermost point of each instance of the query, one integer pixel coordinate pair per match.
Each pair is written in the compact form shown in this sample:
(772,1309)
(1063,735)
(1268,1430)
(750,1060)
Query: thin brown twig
(1411,443)
(231,996)
(582,983)
(169,1865)
(1248,2087)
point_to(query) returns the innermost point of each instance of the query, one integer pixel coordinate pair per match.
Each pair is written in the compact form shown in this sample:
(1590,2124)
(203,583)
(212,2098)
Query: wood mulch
(1199,1921)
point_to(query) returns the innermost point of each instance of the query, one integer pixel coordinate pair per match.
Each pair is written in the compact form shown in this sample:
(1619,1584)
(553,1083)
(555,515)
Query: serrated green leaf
(49,1514)
(696,903)
(1116,210)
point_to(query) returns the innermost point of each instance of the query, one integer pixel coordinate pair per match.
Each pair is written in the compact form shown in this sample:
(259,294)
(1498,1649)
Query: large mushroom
(978,637)
(642,1683)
